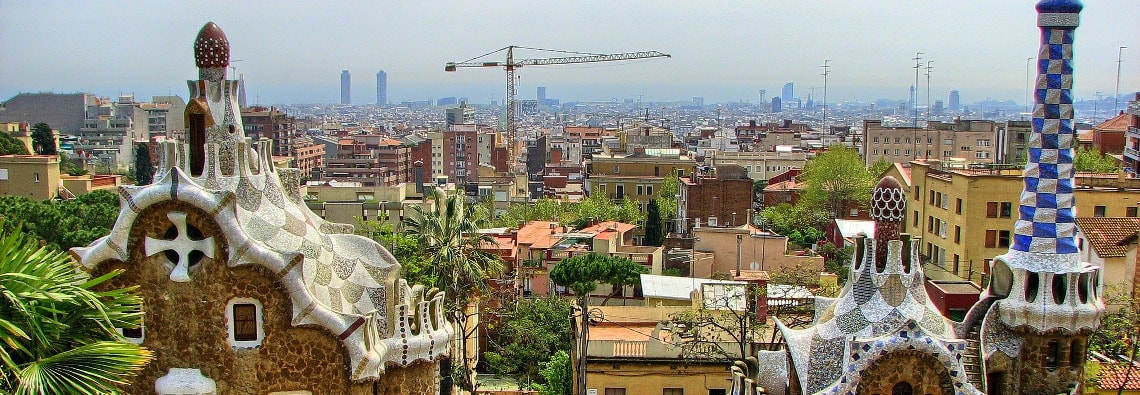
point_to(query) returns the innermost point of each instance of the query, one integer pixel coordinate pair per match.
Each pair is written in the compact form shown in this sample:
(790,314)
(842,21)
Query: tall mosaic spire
(1046,223)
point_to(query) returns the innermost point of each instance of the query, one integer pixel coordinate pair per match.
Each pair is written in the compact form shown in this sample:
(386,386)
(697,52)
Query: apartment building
(965,214)
(970,141)
(635,176)
(760,165)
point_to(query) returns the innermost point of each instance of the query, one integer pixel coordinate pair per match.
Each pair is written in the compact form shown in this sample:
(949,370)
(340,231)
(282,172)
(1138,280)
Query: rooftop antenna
(917,64)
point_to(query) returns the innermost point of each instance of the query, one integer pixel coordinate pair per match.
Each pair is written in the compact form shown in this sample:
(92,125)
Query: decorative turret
(212,114)
(1050,288)
(1045,301)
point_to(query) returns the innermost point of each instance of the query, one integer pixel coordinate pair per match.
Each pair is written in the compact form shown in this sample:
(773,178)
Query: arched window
(902,388)
(1032,283)
(1076,354)
(1059,288)
(1053,354)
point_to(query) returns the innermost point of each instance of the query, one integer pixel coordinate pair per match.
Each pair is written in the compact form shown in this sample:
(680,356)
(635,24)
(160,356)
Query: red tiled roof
(1118,123)
(605,226)
(1105,234)
(1111,376)
(788,185)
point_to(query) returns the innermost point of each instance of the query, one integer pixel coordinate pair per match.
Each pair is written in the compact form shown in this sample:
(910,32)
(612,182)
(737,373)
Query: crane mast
(511,64)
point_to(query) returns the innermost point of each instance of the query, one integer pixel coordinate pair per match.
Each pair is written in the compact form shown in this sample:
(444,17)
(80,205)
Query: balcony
(1132,153)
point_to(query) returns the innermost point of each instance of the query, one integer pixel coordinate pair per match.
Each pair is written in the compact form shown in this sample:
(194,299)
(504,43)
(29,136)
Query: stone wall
(1038,376)
(923,373)
(185,325)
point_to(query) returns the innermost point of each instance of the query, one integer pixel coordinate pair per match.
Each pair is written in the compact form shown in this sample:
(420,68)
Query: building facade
(245,290)
(970,141)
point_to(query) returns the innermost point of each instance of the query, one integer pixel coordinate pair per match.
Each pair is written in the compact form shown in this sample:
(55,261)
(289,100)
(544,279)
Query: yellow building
(635,176)
(965,214)
(31,176)
(632,353)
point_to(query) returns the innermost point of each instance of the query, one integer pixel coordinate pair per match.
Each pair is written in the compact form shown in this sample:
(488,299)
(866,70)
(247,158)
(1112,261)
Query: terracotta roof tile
(1118,123)
(1106,233)
(1113,376)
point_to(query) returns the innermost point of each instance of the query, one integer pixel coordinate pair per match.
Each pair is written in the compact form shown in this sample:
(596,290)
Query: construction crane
(511,64)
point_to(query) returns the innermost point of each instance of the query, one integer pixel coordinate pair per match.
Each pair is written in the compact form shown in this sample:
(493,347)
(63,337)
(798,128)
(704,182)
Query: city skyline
(749,47)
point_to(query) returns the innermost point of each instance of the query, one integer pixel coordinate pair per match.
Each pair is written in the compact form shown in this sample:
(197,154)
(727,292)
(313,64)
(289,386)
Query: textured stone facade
(910,369)
(186,324)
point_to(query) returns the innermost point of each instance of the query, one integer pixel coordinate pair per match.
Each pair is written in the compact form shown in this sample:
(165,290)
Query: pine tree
(654,225)
(43,140)
(144,170)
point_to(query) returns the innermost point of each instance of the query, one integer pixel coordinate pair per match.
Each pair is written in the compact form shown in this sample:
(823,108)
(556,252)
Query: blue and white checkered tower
(1048,287)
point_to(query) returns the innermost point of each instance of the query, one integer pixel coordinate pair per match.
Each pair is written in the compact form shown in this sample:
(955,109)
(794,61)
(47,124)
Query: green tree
(43,140)
(581,274)
(836,260)
(835,179)
(528,333)
(62,224)
(415,267)
(144,170)
(558,374)
(10,146)
(1091,160)
(654,225)
(880,166)
(667,198)
(448,234)
(786,219)
(57,331)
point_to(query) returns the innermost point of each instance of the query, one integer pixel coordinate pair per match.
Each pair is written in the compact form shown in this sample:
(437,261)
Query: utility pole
(1116,98)
(917,66)
(826,70)
(926,134)
(929,68)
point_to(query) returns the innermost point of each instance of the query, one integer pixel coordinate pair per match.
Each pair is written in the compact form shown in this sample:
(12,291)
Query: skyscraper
(955,102)
(786,95)
(541,94)
(345,87)
(381,88)
(777,104)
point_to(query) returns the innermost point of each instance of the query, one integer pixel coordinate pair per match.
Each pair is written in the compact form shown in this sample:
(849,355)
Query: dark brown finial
(211,48)
(888,209)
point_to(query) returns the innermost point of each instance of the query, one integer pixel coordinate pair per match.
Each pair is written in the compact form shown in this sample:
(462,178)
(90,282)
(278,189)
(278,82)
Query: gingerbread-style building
(246,291)
(1029,331)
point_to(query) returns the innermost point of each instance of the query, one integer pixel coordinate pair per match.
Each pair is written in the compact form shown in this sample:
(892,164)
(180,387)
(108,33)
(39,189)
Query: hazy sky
(292,52)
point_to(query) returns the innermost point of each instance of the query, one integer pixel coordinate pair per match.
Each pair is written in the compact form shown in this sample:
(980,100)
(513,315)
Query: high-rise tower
(381,88)
(1045,301)
(955,101)
(345,87)
(787,94)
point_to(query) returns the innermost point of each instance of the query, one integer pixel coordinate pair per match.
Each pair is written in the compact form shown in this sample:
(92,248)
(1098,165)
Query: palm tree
(448,234)
(57,332)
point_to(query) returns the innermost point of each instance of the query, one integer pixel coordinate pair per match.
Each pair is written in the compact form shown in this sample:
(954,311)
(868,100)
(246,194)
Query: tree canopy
(43,140)
(10,146)
(62,224)
(1091,160)
(654,225)
(582,273)
(578,214)
(447,234)
(57,330)
(836,178)
(144,169)
(526,336)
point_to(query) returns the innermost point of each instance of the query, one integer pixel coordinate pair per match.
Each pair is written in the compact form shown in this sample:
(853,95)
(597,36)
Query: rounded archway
(906,372)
